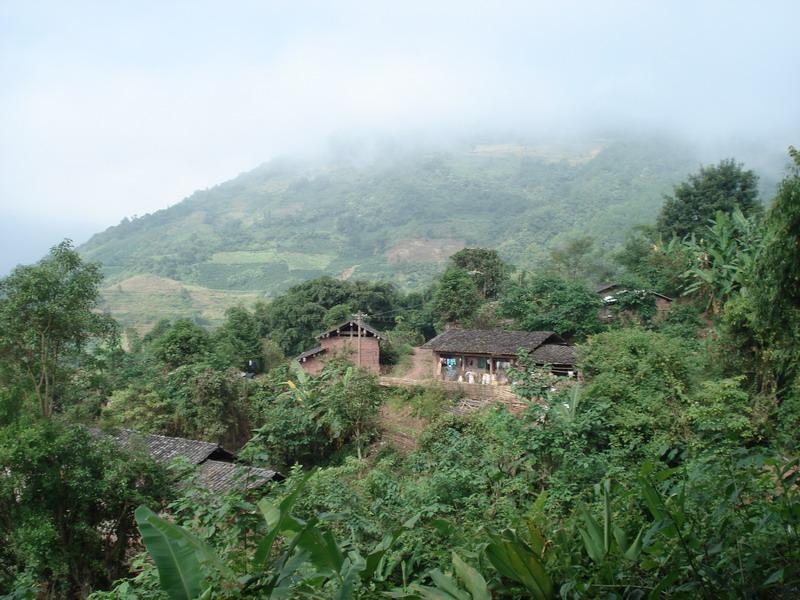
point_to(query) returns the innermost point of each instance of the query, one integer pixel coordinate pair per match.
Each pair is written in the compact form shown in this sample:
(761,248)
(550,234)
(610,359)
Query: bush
(66,506)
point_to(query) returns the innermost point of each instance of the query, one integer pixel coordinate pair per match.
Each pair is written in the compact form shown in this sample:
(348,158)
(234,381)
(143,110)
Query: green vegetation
(394,219)
(716,188)
(670,470)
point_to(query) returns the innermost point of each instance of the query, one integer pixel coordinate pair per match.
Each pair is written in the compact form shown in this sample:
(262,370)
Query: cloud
(107,111)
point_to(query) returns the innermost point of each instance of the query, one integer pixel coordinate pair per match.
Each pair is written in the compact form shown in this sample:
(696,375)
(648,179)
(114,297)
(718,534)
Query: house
(353,340)
(483,356)
(608,293)
(217,469)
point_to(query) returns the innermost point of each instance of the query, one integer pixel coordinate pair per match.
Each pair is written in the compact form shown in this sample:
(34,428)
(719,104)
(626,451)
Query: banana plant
(516,554)
(447,587)
(180,557)
(188,568)
(723,258)
(519,554)
(294,557)
(600,540)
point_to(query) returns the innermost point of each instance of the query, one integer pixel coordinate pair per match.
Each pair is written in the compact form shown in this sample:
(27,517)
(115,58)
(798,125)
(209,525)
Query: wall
(348,347)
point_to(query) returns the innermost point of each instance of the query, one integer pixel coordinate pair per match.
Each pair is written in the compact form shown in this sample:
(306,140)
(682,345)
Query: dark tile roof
(164,448)
(215,467)
(554,354)
(310,353)
(219,476)
(490,341)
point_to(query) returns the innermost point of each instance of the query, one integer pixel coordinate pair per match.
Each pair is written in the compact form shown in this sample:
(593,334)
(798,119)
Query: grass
(141,301)
(293,260)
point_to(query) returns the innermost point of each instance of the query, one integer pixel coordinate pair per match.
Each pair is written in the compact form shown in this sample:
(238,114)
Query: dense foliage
(66,507)
(669,469)
(395,217)
(715,188)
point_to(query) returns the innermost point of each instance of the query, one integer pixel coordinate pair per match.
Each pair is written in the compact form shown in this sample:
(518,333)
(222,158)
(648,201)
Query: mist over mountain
(393,213)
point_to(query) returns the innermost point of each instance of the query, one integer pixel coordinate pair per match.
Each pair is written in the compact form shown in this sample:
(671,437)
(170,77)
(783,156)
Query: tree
(237,341)
(776,284)
(723,258)
(778,267)
(486,268)
(721,187)
(48,313)
(553,304)
(292,320)
(182,344)
(66,506)
(659,264)
(318,415)
(457,298)
(645,379)
(570,257)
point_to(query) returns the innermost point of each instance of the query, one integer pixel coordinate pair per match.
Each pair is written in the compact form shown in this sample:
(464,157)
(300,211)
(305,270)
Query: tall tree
(777,271)
(66,507)
(553,304)
(47,313)
(457,298)
(183,343)
(486,268)
(571,257)
(721,187)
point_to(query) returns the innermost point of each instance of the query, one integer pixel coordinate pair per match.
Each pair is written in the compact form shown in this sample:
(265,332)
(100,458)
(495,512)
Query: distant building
(217,469)
(482,356)
(608,293)
(358,343)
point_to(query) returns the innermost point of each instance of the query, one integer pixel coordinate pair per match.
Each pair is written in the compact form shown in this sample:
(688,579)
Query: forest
(669,469)
(394,217)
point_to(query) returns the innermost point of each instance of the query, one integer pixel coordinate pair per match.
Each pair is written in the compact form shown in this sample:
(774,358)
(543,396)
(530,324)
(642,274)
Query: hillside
(392,219)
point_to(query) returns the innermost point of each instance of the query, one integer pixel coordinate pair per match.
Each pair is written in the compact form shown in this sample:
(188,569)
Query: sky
(111,109)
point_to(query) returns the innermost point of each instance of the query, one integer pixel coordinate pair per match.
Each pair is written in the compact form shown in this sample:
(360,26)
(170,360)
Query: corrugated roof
(554,354)
(220,476)
(490,341)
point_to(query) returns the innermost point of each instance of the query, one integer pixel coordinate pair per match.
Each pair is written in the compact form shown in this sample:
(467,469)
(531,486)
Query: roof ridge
(369,328)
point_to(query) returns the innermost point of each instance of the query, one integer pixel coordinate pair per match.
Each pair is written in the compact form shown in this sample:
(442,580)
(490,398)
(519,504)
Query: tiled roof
(215,467)
(554,354)
(220,476)
(164,448)
(490,341)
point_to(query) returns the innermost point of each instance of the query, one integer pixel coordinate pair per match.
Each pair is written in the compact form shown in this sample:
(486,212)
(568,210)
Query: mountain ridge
(390,218)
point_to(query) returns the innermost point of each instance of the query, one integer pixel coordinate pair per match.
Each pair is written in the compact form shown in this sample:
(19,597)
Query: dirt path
(421,365)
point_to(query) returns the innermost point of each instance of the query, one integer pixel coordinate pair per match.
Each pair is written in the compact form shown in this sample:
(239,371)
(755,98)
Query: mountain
(391,218)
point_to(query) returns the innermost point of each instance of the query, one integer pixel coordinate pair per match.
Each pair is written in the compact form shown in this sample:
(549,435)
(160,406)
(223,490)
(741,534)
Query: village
(470,365)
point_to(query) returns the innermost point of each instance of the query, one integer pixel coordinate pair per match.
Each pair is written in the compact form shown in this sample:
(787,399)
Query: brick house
(357,342)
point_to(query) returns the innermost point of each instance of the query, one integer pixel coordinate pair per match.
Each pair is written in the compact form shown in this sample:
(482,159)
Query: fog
(110,110)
